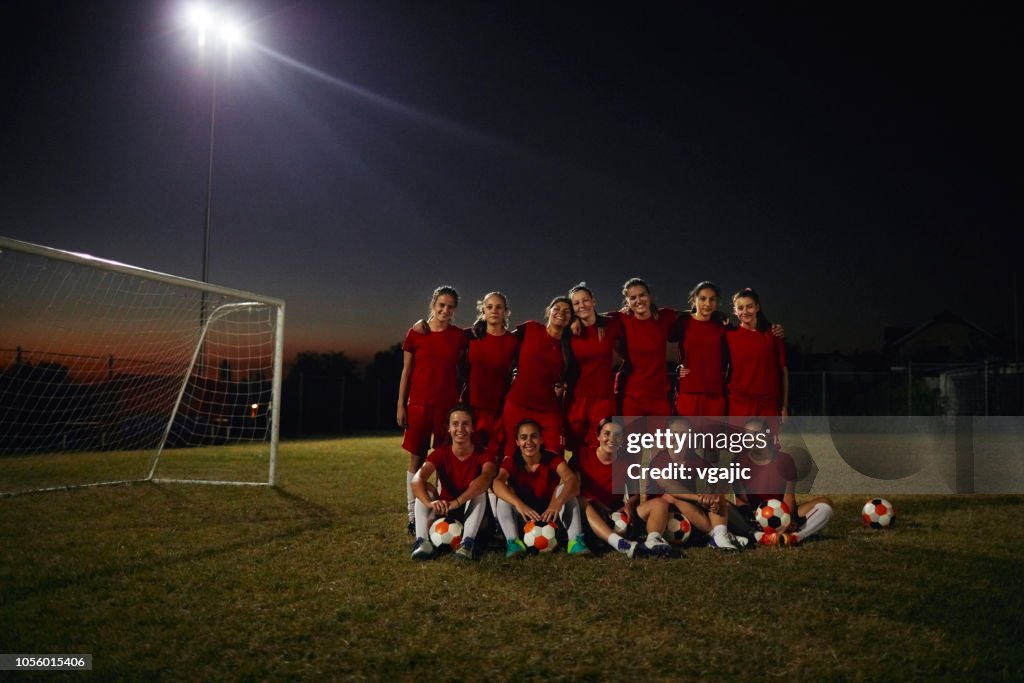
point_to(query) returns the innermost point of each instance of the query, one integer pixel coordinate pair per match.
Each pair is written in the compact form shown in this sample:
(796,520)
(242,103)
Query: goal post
(111,373)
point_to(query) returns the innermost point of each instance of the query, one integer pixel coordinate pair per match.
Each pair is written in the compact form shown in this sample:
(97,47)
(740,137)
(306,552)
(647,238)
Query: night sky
(860,168)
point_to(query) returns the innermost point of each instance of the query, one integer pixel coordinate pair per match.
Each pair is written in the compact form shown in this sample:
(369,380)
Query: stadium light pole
(224,34)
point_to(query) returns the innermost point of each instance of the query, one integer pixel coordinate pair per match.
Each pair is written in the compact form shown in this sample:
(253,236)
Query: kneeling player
(599,500)
(463,474)
(773,475)
(536,484)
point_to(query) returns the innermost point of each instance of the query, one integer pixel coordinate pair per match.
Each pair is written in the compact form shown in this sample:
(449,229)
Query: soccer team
(502,406)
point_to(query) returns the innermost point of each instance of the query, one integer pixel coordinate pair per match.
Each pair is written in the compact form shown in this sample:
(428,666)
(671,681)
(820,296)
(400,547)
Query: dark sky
(860,168)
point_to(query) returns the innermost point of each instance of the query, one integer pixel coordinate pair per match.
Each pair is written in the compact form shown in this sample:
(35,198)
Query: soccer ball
(446,532)
(620,521)
(773,515)
(540,536)
(878,513)
(678,529)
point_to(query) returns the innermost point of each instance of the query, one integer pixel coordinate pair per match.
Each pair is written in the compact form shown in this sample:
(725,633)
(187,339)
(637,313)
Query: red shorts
(582,418)
(743,407)
(422,423)
(641,406)
(489,432)
(550,427)
(700,405)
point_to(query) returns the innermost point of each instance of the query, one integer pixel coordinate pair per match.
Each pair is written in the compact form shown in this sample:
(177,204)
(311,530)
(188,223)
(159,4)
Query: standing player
(592,391)
(544,356)
(701,337)
(463,474)
(538,485)
(429,386)
(758,377)
(599,500)
(647,330)
(492,353)
(773,475)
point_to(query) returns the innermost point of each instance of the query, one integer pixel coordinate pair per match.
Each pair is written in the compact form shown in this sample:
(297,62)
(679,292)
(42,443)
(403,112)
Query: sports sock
(816,520)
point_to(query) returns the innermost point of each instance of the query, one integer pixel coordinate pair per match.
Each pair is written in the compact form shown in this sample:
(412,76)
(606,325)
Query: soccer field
(313,580)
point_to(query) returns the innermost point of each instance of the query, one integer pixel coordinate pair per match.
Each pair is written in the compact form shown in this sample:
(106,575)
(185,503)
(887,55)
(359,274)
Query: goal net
(111,374)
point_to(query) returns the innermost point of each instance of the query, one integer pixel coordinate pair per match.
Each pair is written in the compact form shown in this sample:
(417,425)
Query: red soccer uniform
(702,351)
(490,362)
(594,352)
(756,360)
(540,367)
(769,480)
(535,488)
(664,459)
(453,475)
(436,355)
(646,341)
(597,479)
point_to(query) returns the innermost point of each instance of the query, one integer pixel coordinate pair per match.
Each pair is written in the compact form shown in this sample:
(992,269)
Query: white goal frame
(243,301)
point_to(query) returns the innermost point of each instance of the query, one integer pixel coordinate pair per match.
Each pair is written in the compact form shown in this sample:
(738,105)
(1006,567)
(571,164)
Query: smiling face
(583,304)
(639,301)
(559,314)
(609,439)
(705,302)
(529,441)
(460,427)
(746,310)
(443,308)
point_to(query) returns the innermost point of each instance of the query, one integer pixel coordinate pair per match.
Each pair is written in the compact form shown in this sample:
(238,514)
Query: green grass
(312,580)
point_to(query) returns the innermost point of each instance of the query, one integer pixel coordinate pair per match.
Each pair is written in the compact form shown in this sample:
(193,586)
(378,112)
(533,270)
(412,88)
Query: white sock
(409,497)
(476,508)
(719,530)
(424,516)
(613,541)
(507,520)
(571,512)
(817,518)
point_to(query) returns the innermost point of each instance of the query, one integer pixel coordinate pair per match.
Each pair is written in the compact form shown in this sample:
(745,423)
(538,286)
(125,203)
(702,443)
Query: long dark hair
(763,324)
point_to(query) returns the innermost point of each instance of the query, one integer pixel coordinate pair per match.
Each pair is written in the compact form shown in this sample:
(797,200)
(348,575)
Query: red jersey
(436,355)
(594,352)
(664,459)
(769,480)
(454,475)
(702,350)
(646,341)
(540,368)
(597,480)
(756,360)
(536,488)
(490,362)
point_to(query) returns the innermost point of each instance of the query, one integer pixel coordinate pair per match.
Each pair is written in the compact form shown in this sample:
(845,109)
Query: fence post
(824,393)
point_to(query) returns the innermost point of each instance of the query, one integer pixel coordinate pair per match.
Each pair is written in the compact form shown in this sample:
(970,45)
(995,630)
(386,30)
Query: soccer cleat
(636,550)
(465,551)
(788,539)
(422,549)
(515,548)
(659,548)
(741,542)
(411,528)
(770,538)
(726,542)
(577,546)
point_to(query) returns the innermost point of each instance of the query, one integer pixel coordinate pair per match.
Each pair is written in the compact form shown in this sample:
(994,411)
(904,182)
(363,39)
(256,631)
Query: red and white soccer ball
(878,513)
(446,532)
(773,515)
(620,521)
(678,529)
(540,536)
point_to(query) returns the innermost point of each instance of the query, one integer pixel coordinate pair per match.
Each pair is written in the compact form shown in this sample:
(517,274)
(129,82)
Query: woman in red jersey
(463,474)
(758,377)
(492,353)
(592,392)
(773,475)
(537,485)
(646,330)
(701,337)
(429,384)
(599,499)
(536,392)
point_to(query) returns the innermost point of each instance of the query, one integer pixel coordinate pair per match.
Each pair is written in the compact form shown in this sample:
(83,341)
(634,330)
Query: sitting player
(536,484)
(463,474)
(707,512)
(773,475)
(599,499)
